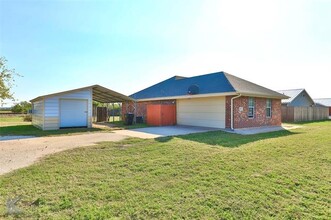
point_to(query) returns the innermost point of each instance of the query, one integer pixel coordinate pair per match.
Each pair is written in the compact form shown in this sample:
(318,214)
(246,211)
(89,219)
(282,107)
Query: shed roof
(292,93)
(213,83)
(99,94)
(324,101)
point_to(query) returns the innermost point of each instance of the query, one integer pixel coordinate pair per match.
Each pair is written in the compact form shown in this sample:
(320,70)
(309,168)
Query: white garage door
(204,112)
(73,113)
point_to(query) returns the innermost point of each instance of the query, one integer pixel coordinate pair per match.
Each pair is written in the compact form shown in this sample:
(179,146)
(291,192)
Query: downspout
(232,109)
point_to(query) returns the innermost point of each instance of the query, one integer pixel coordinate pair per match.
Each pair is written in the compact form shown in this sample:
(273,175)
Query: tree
(7,80)
(22,107)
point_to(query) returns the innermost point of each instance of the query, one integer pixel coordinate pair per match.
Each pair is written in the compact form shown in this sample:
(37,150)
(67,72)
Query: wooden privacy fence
(296,114)
(102,114)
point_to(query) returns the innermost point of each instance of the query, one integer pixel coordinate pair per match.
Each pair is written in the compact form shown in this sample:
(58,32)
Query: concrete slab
(155,132)
(6,138)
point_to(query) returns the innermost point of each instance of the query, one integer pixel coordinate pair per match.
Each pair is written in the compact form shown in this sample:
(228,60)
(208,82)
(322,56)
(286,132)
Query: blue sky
(129,45)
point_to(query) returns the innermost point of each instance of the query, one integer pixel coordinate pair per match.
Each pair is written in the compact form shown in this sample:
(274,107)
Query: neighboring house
(218,100)
(297,97)
(301,107)
(71,108)
(324,102)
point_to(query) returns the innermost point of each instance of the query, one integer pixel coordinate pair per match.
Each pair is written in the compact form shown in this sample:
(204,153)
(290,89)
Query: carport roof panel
(105,95)
(99,94)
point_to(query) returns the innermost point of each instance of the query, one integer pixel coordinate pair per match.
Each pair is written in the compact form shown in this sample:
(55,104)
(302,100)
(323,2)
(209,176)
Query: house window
(268,109)
(251,107)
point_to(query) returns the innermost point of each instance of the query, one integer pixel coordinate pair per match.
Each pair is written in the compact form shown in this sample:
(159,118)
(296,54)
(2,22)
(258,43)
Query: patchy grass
(215,175)
(5,111)
(114,118)
(122,125)
(12,121)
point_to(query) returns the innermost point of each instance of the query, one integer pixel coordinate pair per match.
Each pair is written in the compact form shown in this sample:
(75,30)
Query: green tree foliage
(6,80)
(22,107)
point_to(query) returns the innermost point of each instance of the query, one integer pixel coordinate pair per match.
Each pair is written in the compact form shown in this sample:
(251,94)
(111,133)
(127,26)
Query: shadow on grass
(30,130)
(224,139)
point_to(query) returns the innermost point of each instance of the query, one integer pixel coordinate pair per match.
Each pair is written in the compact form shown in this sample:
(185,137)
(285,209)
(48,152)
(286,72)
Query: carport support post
(113,111)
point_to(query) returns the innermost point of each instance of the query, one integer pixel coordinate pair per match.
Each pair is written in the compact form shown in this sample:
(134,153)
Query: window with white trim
(251,107)
(268,109)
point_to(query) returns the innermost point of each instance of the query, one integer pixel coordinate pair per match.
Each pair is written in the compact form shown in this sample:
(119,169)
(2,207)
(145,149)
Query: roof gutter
(187,96)
(232,109)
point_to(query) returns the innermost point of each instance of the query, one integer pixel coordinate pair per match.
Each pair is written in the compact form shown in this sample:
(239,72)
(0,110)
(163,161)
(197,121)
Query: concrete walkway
(248,131)
(15,154)
(266,129)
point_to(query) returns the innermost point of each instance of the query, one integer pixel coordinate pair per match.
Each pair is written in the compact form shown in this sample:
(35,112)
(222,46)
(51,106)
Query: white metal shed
(71,108)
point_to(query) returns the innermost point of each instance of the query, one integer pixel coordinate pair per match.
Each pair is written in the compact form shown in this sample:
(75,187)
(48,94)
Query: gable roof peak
(179,77)
(293,94)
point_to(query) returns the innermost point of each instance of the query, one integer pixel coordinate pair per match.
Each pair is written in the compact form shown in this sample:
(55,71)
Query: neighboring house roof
(325,102)
(293,94)
(213,83)
(99,94)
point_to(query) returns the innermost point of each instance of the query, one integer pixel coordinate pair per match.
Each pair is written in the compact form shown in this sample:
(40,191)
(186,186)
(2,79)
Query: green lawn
(215,175)
(30,130)
(16,126)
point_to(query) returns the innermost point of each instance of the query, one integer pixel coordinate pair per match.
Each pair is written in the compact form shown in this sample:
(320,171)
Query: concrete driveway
(155,132)
(24,151)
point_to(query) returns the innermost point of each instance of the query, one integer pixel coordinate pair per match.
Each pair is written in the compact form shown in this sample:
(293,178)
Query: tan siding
(207,112)
(51,123)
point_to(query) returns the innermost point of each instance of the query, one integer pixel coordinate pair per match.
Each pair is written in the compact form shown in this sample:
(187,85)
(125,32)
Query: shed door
(73,113)
(204,112)
(161,114)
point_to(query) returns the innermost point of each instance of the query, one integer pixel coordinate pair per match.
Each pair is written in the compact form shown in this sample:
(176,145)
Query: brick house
(218,100)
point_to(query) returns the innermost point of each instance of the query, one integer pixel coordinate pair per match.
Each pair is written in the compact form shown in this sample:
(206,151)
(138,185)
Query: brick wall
(241,119)
(141,107)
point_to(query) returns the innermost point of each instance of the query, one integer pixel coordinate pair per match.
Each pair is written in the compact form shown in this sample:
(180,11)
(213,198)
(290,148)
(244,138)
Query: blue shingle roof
(219,82)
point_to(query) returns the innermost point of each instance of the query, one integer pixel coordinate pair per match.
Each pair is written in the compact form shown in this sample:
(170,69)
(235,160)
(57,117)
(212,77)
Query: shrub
(22,107)
(27,118)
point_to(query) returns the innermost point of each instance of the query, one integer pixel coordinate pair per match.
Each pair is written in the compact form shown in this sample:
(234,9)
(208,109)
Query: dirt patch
(15,154)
